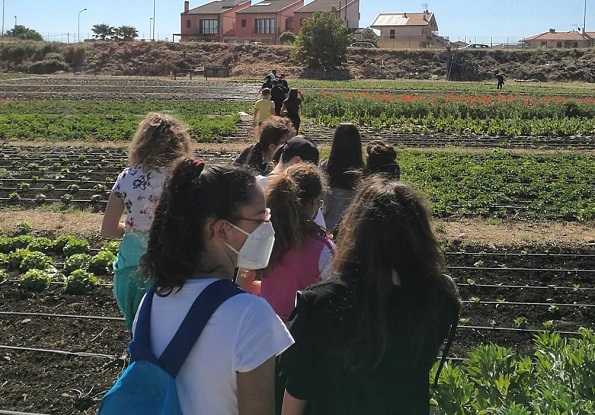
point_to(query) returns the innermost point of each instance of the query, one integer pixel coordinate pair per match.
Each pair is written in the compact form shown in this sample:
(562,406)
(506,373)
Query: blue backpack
(148,385)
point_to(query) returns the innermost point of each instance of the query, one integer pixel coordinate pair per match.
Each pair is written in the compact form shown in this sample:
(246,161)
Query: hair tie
(199,164)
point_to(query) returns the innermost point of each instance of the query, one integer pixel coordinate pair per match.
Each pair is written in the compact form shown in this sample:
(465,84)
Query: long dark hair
(290,193)
(345,161)
(192,193)
(273,131)
(386,228)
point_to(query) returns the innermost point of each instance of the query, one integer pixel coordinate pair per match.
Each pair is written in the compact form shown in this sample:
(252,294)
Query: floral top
(140,191)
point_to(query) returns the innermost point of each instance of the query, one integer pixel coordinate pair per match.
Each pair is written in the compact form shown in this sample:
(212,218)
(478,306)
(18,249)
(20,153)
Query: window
(558,44)
(391,34)
(264,25)
(289,24)
(544,44)
(575,44)
(209,27)
(243,22)
(188,23)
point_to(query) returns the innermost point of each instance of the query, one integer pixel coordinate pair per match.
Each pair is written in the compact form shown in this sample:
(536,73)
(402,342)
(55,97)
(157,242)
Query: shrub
(35,260)
(23,228)
(16,257)
(45,245)
(80,282)
(3,260)
(76,261)
(22,241)
(36,280)
(5,245)
(76,246)
(3,275)
(99,264)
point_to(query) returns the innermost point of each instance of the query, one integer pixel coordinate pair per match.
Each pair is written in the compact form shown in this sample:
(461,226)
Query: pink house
(211,22)
(346,10)
(265,21)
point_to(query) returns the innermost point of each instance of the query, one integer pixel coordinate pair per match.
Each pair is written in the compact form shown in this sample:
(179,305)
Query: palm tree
(102,31)
(125,33)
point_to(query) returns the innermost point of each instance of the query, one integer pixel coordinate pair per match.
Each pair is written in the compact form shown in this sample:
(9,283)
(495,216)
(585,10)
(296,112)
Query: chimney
(186,6)
(404,14)
(552,30)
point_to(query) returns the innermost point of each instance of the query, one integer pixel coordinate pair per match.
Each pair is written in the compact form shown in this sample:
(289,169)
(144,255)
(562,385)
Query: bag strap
(451,337)
(140,345)
(176,352)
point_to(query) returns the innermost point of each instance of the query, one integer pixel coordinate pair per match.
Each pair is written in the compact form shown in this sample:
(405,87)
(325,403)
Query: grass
(6,76)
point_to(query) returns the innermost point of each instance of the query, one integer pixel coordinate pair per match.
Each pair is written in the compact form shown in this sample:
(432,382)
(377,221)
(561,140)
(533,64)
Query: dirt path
(472,230)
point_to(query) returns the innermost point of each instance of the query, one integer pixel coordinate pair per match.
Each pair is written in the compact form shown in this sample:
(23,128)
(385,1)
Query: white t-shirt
(140,191)
(243,333)
(263,181)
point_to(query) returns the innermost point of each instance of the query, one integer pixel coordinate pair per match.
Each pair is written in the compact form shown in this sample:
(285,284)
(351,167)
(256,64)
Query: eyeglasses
(265,219)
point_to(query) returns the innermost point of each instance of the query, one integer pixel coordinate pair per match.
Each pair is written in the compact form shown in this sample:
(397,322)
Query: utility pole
(2,19)
(585,18)
(153,38)
(78,28)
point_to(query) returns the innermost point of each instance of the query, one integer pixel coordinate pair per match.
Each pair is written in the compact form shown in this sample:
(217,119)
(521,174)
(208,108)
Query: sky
(476,21)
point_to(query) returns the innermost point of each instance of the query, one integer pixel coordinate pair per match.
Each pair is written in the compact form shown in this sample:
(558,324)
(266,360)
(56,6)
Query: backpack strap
(204,306)
(176,352)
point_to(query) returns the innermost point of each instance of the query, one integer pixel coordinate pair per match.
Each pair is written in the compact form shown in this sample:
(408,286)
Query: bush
(45,245)
(35,260)
(48,66)
(76,261)
(3,260)
(35,280)
(100,263)
(76,246)
(80,282)
(23,228)
(3,275)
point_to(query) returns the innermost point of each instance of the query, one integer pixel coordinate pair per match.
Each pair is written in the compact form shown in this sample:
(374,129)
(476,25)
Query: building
(405,30)
(264,22)
(553,39)
(211,22)
(346,10)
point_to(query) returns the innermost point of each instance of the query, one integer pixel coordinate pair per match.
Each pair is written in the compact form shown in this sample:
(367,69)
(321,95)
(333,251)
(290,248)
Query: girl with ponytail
(302,253)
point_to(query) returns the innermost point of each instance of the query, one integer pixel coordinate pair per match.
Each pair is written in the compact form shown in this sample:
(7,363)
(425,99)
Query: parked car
(362,45)
(476,46)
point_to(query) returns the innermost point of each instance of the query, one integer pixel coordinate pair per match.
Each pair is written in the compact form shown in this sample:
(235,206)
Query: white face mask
(256,251)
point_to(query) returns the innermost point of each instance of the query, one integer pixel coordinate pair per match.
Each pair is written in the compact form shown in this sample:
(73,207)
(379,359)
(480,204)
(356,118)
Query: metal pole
(585,18)
(150,27)
(153,38)
(78,30)
(2,19)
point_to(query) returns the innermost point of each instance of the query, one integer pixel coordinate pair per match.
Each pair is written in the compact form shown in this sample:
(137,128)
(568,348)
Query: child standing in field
(158,142)
(264,107)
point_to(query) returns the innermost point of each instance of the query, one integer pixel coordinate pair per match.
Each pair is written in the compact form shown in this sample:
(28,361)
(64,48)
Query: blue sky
(479,21)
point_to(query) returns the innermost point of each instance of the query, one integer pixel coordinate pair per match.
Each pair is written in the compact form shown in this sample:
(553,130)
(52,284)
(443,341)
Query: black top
(322,325)
(292,106)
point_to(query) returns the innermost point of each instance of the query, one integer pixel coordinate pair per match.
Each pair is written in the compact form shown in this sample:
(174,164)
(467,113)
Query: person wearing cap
(264,107)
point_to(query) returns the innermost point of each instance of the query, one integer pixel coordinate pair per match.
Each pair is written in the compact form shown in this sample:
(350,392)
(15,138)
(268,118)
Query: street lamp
(153,38)
(78,31)
(150,26)
(2,19)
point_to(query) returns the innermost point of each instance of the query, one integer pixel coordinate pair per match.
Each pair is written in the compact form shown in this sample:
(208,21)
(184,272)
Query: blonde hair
(159,140)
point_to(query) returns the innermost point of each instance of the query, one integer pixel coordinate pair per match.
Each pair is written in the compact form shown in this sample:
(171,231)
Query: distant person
(283,81)
(292,106)
(500,78)
(273,75)
(344,168)
(158,142)
(382,159)
(264,108)
(210,220)
(268,83)
(366,340)
(278,95)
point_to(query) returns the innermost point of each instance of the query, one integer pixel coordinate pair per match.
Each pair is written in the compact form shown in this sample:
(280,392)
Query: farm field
(61,351)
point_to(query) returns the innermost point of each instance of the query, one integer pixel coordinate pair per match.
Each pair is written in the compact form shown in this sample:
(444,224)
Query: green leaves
(560,379)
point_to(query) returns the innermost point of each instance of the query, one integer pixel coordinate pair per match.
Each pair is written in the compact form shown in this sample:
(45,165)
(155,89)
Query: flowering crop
(502,114)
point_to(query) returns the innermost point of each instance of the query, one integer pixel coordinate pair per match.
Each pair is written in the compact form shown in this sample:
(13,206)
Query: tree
(102,31)
(125,33)
(323,41)
(22,32)
(368,35)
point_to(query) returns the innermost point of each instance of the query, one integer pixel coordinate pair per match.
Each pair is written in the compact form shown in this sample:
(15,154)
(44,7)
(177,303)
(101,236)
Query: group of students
(277,99)
(348,303)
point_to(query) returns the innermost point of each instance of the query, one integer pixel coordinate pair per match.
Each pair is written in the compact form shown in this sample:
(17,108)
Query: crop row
(111,120)
(494,115)
(497,183)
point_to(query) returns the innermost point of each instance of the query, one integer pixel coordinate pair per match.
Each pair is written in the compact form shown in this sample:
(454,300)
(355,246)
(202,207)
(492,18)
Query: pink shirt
(298,269)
